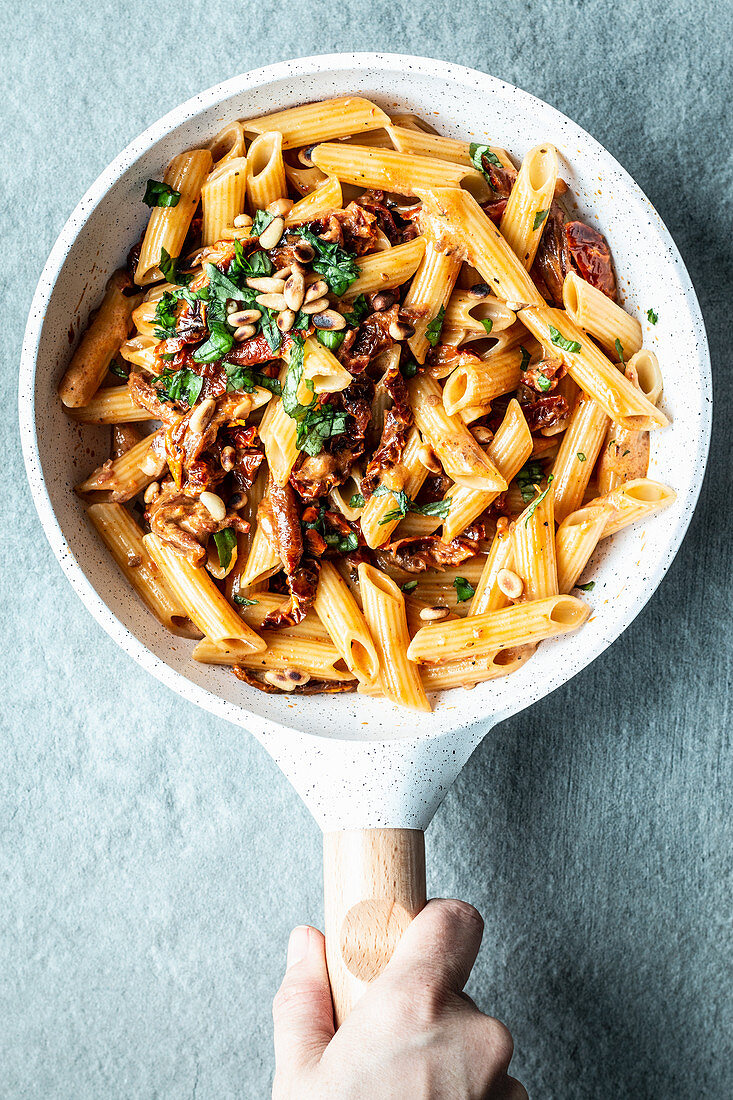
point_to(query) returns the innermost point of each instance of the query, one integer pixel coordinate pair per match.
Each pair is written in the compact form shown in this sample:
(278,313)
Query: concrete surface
(151,869)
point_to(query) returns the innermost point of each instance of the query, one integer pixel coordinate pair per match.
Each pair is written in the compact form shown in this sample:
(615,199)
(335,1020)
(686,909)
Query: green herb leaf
(225,541)
(316,422)
(160,194)
(357,500)
(539,217)
(409,586)
(169,268)
(439,508)
(269,327)
(586,587)
(359,310)
(260,222)
(348,543)
(543,383)
(337,266)
(581,456)
(247,379)
(487,323)
(118,369)
(433,508)
(529,478)
(481,155)
(559,341)
(533,507)
(525,359)
(251,267)
(652,316)
(432,332)
(465,590)
(619,349)
(244,602)
(330,340)
(165,316)
(179,385)
(409,369)
(625,453)
(219,343)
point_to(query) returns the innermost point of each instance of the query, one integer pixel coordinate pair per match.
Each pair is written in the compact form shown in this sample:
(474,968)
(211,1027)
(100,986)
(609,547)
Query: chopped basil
(165,316)
(409,586)
(619,349)
(343,543)
(586,587)
(529,478)
(487,323)
(251,267)
(652,316)
(269,327)
(244,602)
(481,155)
(525,358)
(533,507)
(219,343)
(409,369)
(465,590)
(559,341)
(543,382)
(625,453)
(330,340)
(169,267)
(432,332)
(160,194)
(539,217)
(357,500)
(247,379)
(612,443)
(405,504)
(315,422)
(179,385)
(581,456)
(260,222)
(337,266)
(359,310)
(118,369)
(225,541)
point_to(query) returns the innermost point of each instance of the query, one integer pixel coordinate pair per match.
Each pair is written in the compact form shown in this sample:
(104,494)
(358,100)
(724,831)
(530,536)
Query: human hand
(414,1035)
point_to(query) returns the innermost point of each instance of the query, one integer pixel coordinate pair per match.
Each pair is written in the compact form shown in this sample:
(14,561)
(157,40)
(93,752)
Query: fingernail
(297,945)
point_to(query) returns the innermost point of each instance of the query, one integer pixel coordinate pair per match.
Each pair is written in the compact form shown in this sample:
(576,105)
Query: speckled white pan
(359,762)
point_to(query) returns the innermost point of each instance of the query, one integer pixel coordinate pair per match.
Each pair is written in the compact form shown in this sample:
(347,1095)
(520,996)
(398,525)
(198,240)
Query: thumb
(439,947)
(302,1010)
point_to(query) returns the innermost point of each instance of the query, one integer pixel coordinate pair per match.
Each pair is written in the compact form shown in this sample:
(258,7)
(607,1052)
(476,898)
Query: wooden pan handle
(374,884)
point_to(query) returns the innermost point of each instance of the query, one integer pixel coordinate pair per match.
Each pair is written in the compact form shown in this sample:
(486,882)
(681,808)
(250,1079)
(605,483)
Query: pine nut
(304,251)
(242,221)
(214,505)
(285,320)
(479,290)
(509,583)
(315,307)
(516,306)
(482,434)
(287,679)
(428,460)
(401,331)
(271,301)
(243,409)
(385,299)
(294,291)
(270,236)
(266,284)
(151,492)
(433,614)
(319,289)
(502,526)
(232,306)
(237,501)
(201,415)
(228,456)
(244,332)
(282,273)
(151,464)
(304,155)
(280,207)
(330,320)
(244,317)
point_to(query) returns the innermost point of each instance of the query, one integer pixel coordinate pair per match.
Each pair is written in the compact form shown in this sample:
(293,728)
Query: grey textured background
(151,871)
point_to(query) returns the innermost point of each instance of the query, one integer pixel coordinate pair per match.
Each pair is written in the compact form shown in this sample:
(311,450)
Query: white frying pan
(372,775)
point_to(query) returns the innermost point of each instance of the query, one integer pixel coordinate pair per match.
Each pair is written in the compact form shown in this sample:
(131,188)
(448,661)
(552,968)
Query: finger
(302,1010)
(509,1089)
(441,944)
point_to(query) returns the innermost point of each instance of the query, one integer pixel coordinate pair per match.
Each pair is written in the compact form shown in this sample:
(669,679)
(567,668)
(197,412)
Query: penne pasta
(384,611)
(123,478)
(339,612)
(266,180)
(387,269)
(634,500)
(535,559)
(168,225)
(429,295)
(423,144)
(222,198)
(477,382)
(488,596)
(576,539)
(284,652)
(378,519)
(604,320)
(391,171)
(323,121)
(581,444)
(113,405)
(317,203)
(529,202)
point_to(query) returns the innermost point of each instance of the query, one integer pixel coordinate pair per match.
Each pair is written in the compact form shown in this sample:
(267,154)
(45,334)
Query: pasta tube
(529,203)
(384,611)
(168,225)
(339,612)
